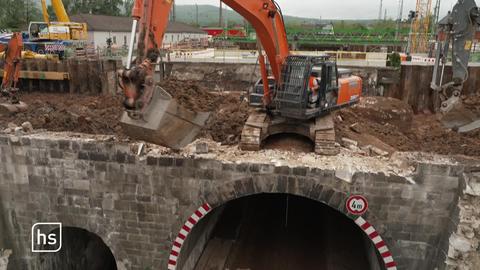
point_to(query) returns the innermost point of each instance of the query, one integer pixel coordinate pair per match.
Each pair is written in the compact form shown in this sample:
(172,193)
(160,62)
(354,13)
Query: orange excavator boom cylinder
(267,19)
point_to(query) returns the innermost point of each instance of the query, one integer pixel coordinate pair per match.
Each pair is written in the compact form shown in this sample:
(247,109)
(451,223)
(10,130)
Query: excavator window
(38,28)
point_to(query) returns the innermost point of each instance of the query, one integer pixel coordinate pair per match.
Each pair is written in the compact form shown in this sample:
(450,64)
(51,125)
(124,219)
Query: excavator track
(253,132)
(259,126)
(325,137)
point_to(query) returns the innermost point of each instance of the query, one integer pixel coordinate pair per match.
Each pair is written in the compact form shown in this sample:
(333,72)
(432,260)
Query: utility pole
(385,17)
(399,19)
(196,8)
(380,11)
(220,19)
(436,17)
(174,12)
(28,11)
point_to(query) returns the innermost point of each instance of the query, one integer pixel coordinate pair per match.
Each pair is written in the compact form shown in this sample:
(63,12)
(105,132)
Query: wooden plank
(83,77)
(72,68)
(62,86)
(42,67)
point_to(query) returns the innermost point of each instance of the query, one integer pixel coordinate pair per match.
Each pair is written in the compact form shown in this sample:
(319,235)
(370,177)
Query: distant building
(101,27)
(238,32)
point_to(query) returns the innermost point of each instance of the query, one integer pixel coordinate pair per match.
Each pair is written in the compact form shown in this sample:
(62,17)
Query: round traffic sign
(357,205)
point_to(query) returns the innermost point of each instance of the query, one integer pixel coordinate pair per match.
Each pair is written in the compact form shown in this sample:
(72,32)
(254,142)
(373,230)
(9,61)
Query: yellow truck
(62,29)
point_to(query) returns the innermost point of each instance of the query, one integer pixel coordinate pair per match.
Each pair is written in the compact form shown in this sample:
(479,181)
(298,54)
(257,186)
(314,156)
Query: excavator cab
(298,98)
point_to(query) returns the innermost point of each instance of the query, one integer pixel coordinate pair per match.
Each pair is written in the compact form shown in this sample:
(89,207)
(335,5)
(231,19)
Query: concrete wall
(137,205)
(464,240)
(414,81)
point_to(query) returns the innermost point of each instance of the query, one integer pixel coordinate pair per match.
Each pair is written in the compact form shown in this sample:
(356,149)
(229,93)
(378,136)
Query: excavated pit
(384,123)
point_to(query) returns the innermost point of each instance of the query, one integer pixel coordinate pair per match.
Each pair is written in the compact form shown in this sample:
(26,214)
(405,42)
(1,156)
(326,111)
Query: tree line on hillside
(16,14)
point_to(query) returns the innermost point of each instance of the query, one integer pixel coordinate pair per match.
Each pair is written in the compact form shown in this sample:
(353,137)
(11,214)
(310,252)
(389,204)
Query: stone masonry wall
(464,242)
(137,205)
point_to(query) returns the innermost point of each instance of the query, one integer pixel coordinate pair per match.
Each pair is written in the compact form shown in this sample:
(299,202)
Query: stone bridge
(158,211)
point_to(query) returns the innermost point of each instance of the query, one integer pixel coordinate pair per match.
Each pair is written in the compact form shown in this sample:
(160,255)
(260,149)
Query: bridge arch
(242,188)
(80,249)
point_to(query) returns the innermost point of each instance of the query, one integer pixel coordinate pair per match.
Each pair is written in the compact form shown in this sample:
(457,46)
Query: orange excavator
(294,95)
(12,52)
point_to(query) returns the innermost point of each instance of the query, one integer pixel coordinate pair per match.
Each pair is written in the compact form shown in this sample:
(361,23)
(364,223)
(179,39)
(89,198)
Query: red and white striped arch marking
(203,210)
(182,235)
(377,240)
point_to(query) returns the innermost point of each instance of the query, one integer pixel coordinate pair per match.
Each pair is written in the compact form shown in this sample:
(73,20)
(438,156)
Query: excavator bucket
(456,116)
(164,122)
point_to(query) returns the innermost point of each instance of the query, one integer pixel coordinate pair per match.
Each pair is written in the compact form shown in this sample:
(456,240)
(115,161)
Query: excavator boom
(457,31)
(153,115)
(148,107)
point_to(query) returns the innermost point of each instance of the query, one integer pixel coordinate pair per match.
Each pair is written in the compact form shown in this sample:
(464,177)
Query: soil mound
(389,125)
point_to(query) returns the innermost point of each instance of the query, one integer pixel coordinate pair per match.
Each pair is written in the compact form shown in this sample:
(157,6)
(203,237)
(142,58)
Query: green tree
(127,7)
(16,14)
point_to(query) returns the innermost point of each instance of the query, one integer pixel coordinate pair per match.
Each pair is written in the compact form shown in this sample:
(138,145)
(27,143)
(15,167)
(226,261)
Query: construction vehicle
(457,29)
(9,103)
(61,30)
(286,104)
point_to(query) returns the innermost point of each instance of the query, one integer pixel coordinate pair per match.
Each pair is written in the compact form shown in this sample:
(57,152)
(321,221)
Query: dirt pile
(190,95)
(100,115)
(385,123)
(227,121)
(74,113)
(368,123)
(229,110)
(472,103)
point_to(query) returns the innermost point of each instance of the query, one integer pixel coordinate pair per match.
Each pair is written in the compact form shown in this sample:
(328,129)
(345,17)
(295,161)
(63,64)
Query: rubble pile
(465,241)
(390,125)
(377,126)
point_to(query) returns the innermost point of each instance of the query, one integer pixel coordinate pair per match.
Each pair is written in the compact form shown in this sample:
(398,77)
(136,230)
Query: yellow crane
(62,29)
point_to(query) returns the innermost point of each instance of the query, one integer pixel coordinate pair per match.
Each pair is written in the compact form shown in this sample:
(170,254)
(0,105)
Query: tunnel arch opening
(80,250)
(277,231)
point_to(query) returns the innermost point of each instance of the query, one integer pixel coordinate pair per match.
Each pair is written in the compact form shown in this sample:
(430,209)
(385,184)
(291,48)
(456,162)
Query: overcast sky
(340,9)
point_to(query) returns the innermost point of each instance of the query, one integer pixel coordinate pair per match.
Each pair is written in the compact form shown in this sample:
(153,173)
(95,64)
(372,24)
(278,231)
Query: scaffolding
(421,27)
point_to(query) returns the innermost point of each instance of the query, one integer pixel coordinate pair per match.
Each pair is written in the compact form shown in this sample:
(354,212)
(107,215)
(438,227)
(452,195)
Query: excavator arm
(264,15)
(151,113)
(457,31)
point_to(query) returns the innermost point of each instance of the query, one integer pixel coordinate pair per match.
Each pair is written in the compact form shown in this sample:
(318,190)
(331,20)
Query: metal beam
(42,75)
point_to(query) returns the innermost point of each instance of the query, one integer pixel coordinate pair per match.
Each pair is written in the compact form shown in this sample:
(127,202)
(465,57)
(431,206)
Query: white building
(101,27)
